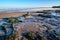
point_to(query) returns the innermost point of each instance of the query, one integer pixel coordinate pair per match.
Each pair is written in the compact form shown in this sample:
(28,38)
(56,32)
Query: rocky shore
(31,27)
(47,28)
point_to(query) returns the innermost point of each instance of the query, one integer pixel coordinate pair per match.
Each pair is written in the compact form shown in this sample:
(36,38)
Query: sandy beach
(7,15)
(15,14)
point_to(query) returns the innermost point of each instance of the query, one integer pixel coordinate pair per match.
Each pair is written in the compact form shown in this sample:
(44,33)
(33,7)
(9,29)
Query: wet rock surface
(47,28)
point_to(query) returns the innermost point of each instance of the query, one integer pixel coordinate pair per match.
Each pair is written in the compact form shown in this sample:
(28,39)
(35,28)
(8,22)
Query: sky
(28,3)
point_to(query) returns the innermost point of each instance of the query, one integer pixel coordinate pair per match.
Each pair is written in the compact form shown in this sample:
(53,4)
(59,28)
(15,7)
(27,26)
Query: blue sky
(28,3)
